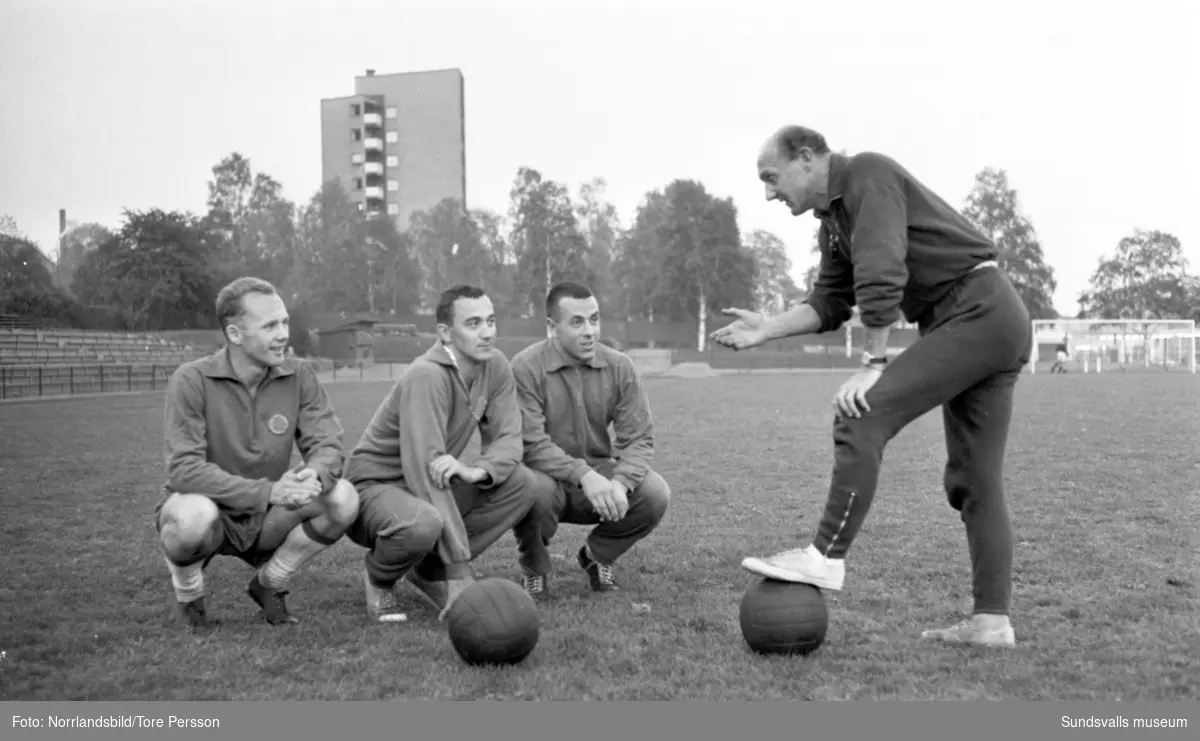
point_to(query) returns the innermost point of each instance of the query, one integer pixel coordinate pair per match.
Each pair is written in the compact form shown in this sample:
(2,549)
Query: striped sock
(301,544)
(187,580)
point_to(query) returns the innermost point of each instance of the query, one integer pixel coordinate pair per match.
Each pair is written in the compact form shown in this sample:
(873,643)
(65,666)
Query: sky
(120,104)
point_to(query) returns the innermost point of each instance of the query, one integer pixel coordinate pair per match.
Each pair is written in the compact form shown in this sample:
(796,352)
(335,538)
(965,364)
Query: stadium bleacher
(44,362)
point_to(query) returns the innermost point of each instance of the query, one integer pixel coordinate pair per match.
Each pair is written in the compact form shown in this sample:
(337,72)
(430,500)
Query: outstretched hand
(747,331)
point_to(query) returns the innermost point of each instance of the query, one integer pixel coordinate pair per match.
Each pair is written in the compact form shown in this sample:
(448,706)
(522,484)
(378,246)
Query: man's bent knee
(342,504)
(541,489)
(189,527)
(655,496)
(414,534)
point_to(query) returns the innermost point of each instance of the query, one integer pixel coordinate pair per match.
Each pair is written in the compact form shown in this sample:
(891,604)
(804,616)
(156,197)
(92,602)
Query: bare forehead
(768,156)
(260,308)
(571,307)
(468,309)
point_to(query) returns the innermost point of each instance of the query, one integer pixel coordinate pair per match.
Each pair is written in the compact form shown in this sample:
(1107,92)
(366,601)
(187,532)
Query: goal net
(1115,345)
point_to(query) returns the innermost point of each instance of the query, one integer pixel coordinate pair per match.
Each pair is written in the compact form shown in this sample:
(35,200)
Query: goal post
(1107,345)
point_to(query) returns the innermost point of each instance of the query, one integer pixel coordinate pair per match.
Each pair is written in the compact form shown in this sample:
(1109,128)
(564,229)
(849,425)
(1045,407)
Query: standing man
(231,421)
(571,387)
(426,513)
(1060,356)
(893,247)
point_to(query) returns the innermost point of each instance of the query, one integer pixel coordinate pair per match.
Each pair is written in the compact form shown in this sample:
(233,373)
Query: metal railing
(37,381)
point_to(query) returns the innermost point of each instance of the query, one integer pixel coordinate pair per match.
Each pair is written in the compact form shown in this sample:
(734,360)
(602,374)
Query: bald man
(895,249)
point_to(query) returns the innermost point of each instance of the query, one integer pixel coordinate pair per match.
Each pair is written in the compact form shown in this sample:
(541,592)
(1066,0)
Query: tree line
(682,259)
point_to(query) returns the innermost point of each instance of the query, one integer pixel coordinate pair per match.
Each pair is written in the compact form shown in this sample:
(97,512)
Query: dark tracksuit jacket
(888,244)
(428,413)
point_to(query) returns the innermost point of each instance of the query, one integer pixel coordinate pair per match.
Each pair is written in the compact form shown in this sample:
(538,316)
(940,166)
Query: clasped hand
(296,488)
(445,468)
(610,499)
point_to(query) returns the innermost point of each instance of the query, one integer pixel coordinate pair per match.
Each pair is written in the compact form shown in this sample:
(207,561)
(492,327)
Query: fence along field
(56,362)
(1095,474)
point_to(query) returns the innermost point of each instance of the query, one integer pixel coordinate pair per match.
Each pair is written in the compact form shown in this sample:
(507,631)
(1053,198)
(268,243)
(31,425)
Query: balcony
(373,168)
(373,143)
(372,120)
(374,192)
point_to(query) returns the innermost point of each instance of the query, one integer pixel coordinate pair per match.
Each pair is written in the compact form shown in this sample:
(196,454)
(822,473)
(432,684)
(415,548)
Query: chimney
(370,73)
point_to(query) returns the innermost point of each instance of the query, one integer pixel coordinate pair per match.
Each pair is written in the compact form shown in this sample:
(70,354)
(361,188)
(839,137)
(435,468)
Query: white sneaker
(802,566)
(382,604)
(973,631)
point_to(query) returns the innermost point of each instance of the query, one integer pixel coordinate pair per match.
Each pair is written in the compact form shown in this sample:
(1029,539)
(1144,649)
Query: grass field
(1103,485)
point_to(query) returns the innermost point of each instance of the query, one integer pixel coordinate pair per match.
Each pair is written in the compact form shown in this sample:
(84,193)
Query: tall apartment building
(398,144)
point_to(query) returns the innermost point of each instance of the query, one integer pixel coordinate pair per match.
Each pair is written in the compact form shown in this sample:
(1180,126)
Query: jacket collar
(220,365)
(555,358)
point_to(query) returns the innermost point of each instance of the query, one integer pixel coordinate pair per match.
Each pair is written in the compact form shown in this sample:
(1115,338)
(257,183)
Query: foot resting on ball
(801,566)
(382,603)
(982,630)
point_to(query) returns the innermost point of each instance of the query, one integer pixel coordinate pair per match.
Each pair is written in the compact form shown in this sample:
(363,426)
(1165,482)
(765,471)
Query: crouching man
(230,425)
(426,513)
(571,388)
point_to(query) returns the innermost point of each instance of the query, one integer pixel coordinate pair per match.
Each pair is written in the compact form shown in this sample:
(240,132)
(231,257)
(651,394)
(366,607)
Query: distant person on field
(1060,357)
(571,388)
(427,512)
(894,248)
(232,419)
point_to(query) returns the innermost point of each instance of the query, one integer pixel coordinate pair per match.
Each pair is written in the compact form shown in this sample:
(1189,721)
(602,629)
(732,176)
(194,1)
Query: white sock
(187,580)
(297,549)
(991,622)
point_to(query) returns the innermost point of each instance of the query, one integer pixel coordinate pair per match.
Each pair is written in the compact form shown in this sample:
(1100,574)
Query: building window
(358,183)
(393,186)
(391,111)
(393,161)
(355,109)
(356,134)
(356,158)
(393,209)
(392,137)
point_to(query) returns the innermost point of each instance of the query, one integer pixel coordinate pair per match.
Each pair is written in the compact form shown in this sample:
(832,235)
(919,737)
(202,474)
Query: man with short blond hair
(231,422)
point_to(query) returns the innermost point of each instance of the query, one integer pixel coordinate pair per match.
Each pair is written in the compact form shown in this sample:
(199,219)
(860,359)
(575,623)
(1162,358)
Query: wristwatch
(870,361)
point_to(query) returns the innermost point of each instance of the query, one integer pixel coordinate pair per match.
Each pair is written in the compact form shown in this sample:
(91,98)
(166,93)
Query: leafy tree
(155,273)
(774,290)
(76,244)
(501,282)
(27,286)
(255,222)
(601,228)
(694,241)
(992,206)
(449,246)
(1145,278)
(546,239)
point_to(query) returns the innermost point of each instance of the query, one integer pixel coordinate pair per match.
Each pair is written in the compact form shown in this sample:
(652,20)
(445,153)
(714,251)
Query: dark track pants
(973,346)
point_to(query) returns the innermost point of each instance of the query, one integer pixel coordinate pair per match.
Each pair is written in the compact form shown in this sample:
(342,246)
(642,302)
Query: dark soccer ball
(493,621)
(779,617)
